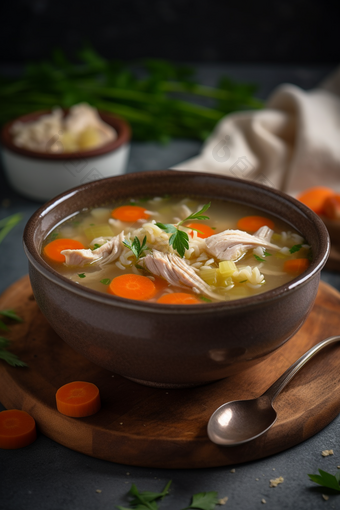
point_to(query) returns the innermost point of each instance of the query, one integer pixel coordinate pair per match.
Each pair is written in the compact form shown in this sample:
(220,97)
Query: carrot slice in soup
(78,399)
(253,223)
(178,298)
(296,265)
(17,429)
(314,198)
(205,230)
(53,249)
(130,213)
(133,286)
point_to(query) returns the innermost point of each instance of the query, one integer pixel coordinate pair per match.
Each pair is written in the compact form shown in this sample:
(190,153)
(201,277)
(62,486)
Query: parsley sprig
(6,224)
(179,239)
(136,248)
(9,357)
(148,500)
(327,480)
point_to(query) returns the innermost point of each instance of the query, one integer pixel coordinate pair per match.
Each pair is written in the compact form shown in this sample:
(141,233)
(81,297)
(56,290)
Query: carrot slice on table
(17,429)
(331,207)
(296,265)
(253,223)
(205,230)
(78,399)
(130,213)
(52,250)
(314,197)
(178,298)
(132,286)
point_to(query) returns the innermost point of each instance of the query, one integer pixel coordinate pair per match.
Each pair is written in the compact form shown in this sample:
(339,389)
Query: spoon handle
(285,378)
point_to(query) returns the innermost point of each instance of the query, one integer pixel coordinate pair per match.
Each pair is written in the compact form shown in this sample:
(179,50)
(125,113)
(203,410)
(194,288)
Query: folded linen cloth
(292,144)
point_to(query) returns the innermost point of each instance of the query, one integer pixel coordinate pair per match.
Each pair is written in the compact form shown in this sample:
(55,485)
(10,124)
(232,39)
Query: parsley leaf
(136,248)
(179,239)
(11,315)
(6,224)
(9,357)
(204,501)
(96,246)
(105,281)
(267,254)
(258,258)
(203,298)
(327,480)
(82,275)
(295,248)
(145,500)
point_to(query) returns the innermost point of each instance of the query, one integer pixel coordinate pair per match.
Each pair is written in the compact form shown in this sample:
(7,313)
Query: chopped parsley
(136,248)
(295,248)
(105,281)
(267,254)
(258,258)
(96,246)
(82,275)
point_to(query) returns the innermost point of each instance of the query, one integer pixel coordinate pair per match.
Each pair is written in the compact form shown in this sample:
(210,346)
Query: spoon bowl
(240,421)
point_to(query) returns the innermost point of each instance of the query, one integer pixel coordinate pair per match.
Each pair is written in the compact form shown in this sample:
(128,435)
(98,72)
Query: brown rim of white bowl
(121,126)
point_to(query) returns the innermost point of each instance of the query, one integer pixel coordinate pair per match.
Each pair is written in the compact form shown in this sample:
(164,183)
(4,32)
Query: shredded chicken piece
(232,244)
(108,252)
(176,272)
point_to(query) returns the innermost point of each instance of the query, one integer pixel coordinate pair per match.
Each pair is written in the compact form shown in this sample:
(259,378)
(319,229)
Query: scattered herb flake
(96,246)
(267,254)
(105,281)
(258,258)
(243,281)
(9,357)
(203,298)
(82,275)
(295,248)
(327,480)
(53,236)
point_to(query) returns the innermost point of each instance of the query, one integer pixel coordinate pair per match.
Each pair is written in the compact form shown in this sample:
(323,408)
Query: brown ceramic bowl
(174,345)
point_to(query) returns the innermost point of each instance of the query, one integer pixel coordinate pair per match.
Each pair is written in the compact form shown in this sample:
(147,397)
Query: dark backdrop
(300,31)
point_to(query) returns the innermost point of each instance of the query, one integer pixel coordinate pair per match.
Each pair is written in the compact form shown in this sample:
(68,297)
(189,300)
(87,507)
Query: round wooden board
(143,426)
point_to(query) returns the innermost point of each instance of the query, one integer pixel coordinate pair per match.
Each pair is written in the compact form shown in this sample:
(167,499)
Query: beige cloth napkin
(292,144)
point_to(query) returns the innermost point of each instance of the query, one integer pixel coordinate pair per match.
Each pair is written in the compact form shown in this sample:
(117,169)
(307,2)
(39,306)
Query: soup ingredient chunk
(130,213)
(17,429)
(176,271)
(297,266)
(78,399)
(203,230)
(108,252)
(232,244)
(254,223)
(178,298)
(54,250)
(133,286)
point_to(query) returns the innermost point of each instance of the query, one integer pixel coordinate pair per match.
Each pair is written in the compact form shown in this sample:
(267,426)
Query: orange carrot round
(53,249)
(205,230)
(133,286)
(129,213)
(78,399)
(331,207)
(314,198)
(178,298)
(253,223)
(17,429)
(296,265)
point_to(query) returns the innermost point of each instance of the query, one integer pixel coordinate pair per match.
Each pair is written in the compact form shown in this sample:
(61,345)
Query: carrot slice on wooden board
(178,298)
(253,223)
(133,286)
(53,249)
(78,399)
(296,265)
(331,207)
(314,197)
(205,230)
(129,213)
(17,429)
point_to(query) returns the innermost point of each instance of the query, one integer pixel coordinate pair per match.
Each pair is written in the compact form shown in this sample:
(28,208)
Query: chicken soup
(177,250)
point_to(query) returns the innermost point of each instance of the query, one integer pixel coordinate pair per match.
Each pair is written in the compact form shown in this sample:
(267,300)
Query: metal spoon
(240,421)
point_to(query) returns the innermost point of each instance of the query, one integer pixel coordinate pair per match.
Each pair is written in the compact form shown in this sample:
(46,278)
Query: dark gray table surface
(48,476)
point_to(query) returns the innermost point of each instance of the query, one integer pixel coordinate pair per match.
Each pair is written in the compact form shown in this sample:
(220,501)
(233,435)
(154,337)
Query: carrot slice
(253,223)
(178,298)
(331,207)
(78,399)
(130,213)
(52,250)
(17,429)
(296,265)
(132,286)
(314,198)
(205,229)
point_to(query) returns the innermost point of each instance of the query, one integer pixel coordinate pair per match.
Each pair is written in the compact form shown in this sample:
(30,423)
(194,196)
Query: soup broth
(267,253)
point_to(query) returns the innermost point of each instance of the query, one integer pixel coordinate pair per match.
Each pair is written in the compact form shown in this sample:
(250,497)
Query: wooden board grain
(151,427)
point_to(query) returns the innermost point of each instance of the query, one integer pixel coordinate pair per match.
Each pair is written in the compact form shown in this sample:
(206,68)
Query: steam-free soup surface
(147,250)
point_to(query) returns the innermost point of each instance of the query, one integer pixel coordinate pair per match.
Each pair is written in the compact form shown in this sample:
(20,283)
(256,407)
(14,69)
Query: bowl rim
(121,126)
(249,302)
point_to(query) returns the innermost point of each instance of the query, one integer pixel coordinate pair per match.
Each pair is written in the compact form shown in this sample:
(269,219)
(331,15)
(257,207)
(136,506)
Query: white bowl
(42,176)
